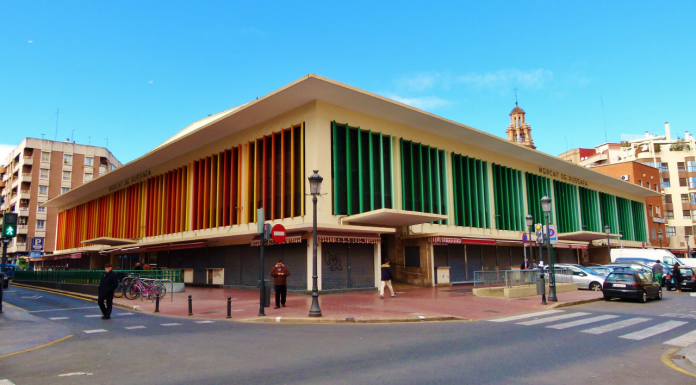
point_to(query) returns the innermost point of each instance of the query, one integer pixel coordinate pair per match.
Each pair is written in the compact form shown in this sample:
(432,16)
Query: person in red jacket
(280,286)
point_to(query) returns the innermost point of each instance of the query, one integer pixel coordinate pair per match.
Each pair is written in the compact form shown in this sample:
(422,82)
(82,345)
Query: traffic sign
(553,234)
(278,233)
(524,238)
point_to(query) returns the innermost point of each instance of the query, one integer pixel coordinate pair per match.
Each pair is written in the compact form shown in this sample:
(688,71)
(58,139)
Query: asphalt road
(540,349)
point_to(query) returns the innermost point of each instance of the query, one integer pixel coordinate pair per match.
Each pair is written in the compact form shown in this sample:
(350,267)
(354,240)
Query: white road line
(653,331)
(95,331)
(172,324)
(615,326)
(203,322)
(683,341)
(93,315)
(523,316)
(552,319)
(134,327)
(124,314)
(68,308)
(582,322)
(57,318)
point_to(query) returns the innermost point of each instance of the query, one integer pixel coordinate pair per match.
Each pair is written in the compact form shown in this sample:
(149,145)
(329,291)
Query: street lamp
(607,231)
(315,189)
(659,236)
(529,220)
(688,248)
(546,208)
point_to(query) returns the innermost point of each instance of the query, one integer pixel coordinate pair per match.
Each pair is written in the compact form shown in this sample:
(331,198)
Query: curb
(689,354)
(573,303)
(86,297)
(294,320)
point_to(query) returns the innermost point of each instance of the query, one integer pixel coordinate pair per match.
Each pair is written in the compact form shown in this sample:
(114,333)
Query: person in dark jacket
(676,277)
(138,266)
(280,285)
(386,279)
(107,286)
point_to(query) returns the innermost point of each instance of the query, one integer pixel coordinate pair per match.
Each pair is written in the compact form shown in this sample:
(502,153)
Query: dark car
(688,280)
(631,284)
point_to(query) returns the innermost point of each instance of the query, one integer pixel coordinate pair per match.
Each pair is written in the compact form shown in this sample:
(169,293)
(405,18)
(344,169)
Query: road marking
(653,331)
(683,341)
(135,327)
(552,319)
(93,315)
(124,314)
(75,374)
(172,324)
(95,331)
(58,318)
(37,347)
(6,382)
(33,297)
(582,322)
(523,316)
(204,322)
(615,326)
(69,308)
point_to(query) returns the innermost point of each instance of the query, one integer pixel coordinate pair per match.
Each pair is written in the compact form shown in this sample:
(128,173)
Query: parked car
(631,284)
(584,277)
(601,270)
(633,265)
(688,280)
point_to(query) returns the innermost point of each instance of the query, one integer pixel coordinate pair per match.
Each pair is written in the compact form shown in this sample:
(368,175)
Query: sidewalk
(20,330)
(410,304)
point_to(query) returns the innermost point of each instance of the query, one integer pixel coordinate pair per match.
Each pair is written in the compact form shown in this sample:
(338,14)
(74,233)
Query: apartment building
(38,170)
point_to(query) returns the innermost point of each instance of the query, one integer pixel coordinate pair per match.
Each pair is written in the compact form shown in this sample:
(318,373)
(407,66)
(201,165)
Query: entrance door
(345,266)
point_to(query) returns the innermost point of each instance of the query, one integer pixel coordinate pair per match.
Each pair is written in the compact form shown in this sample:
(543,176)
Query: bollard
(190,306)
(157,303)
(229,307)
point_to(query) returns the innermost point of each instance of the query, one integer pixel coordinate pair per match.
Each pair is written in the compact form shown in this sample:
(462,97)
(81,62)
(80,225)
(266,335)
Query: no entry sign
(278,233)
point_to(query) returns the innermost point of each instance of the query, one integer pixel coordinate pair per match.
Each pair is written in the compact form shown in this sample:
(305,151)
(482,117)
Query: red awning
(175,246)
(341,237)
(569,246)
(459,241)
(291,239)
(55,257)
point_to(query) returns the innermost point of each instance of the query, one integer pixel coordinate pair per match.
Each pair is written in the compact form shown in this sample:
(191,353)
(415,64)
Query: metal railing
(511,278)
(92,277)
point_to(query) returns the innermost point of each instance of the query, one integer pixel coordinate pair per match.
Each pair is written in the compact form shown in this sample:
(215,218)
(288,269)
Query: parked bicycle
(146,287)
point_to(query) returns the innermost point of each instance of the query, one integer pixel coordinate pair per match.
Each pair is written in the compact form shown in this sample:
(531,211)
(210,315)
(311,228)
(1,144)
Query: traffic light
(9,225)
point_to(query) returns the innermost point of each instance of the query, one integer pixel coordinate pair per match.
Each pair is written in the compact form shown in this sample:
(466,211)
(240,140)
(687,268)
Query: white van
(652,254)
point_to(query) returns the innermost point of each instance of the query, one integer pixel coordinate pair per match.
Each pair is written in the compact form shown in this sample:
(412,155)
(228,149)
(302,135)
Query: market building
(399,183)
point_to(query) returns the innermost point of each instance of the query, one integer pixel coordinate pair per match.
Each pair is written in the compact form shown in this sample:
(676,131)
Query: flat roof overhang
(586,236)
(393,218)
(106,241)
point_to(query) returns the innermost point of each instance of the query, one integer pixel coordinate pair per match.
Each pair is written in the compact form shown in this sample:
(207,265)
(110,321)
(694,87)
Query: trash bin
(267,293)
(541,285)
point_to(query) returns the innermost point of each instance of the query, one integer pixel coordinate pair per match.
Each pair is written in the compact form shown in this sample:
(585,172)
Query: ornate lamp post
(546,208)
(529,220)
(607,231)
(688,248)
(315,190)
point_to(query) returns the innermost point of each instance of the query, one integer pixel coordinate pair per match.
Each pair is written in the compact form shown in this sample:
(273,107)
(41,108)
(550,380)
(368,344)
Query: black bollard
(229,307)
(157,303)
(190,306)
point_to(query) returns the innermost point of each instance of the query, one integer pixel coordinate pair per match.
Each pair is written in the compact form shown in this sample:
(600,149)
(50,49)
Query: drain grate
(209,312)
(492,311)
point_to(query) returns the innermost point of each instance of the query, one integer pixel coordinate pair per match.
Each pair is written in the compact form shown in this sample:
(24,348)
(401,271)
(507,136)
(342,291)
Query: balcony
(22,229)
(2,183)
(26,177)
(28,160)
(24,211)
(20,247)
(15,167)
(24,194)
(13,198)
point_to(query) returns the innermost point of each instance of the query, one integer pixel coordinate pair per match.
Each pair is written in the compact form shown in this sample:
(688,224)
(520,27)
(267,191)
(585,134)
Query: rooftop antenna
(89,140)
(604,120)
(72,135)
(57,112)
(42,135)
(515,96)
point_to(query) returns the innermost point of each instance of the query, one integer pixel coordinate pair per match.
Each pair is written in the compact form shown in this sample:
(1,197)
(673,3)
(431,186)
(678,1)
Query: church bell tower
(519,131)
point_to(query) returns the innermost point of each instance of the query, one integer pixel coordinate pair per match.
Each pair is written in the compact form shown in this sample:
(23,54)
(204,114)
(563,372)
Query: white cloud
(5,150)
(150,82)
(420,82)
(424,103)
(31,41)
(508,78)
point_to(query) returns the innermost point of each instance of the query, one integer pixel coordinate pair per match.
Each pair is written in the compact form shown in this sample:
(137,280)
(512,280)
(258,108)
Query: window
(665,182)
(41,209)
(651,164)
(668,198)
(680,166)
(670,214)
(671,232)
(686,214)
(67,159)
(682,182)
(66,175)
(691,166)
(692,182)
(650,209)
(657,211)
(44,173)
(89,161)
(45,156)
(640,183)
(412,256)
(653,234)
(63,190)
(693,213)
(43,190)
(663,167)
(684,198)
(88,177)
(40,224)
(655,187)
(688,230)
(647,185)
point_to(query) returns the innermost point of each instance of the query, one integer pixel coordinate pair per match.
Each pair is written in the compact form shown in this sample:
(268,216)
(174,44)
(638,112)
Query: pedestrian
(676,277)
(138,266)
(386,280)
(146,266)
(525,265)
(280,285)
(107,286)
(534,264)
(657,272)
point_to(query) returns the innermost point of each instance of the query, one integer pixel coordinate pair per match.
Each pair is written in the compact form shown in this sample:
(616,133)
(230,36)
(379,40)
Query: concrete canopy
(393,218)
(109,241)
(585,236)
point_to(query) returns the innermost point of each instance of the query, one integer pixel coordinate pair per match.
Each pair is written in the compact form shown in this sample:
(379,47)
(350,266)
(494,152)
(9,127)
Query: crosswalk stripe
(203,322)
(585,321)
(615,326)
(523,316)
(124,314)
(652,331)
(57,318)
(134,327)
(93,315)
(684,340)
(95,331)
(552,319)
(172,324)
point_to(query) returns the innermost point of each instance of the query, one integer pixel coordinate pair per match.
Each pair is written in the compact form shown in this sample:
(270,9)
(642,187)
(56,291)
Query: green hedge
(92,277)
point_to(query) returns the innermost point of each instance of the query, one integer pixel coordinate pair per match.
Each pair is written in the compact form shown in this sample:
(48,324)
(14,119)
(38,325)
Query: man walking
(280,285)
(386,280)
(107,286)
(657,272)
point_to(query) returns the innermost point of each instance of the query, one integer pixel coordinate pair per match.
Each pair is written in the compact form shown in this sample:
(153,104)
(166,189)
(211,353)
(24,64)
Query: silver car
(584,277)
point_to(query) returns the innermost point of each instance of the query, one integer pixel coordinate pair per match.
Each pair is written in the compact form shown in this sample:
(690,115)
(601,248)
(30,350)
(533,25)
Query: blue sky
(137,72)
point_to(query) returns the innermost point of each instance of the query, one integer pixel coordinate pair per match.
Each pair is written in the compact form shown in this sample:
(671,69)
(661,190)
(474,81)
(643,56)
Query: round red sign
(278,233)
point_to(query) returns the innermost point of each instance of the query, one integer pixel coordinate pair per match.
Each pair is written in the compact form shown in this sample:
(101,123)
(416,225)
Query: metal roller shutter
(488,257)
(250,265)
(361,268)
(233,265)
(503,257)
(457,263)
(474,261)
(334,266)
(295,259)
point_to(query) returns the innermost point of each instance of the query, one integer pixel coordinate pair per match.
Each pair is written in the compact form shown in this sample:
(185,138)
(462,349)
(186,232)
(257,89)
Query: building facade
(38,170)
(399,184)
